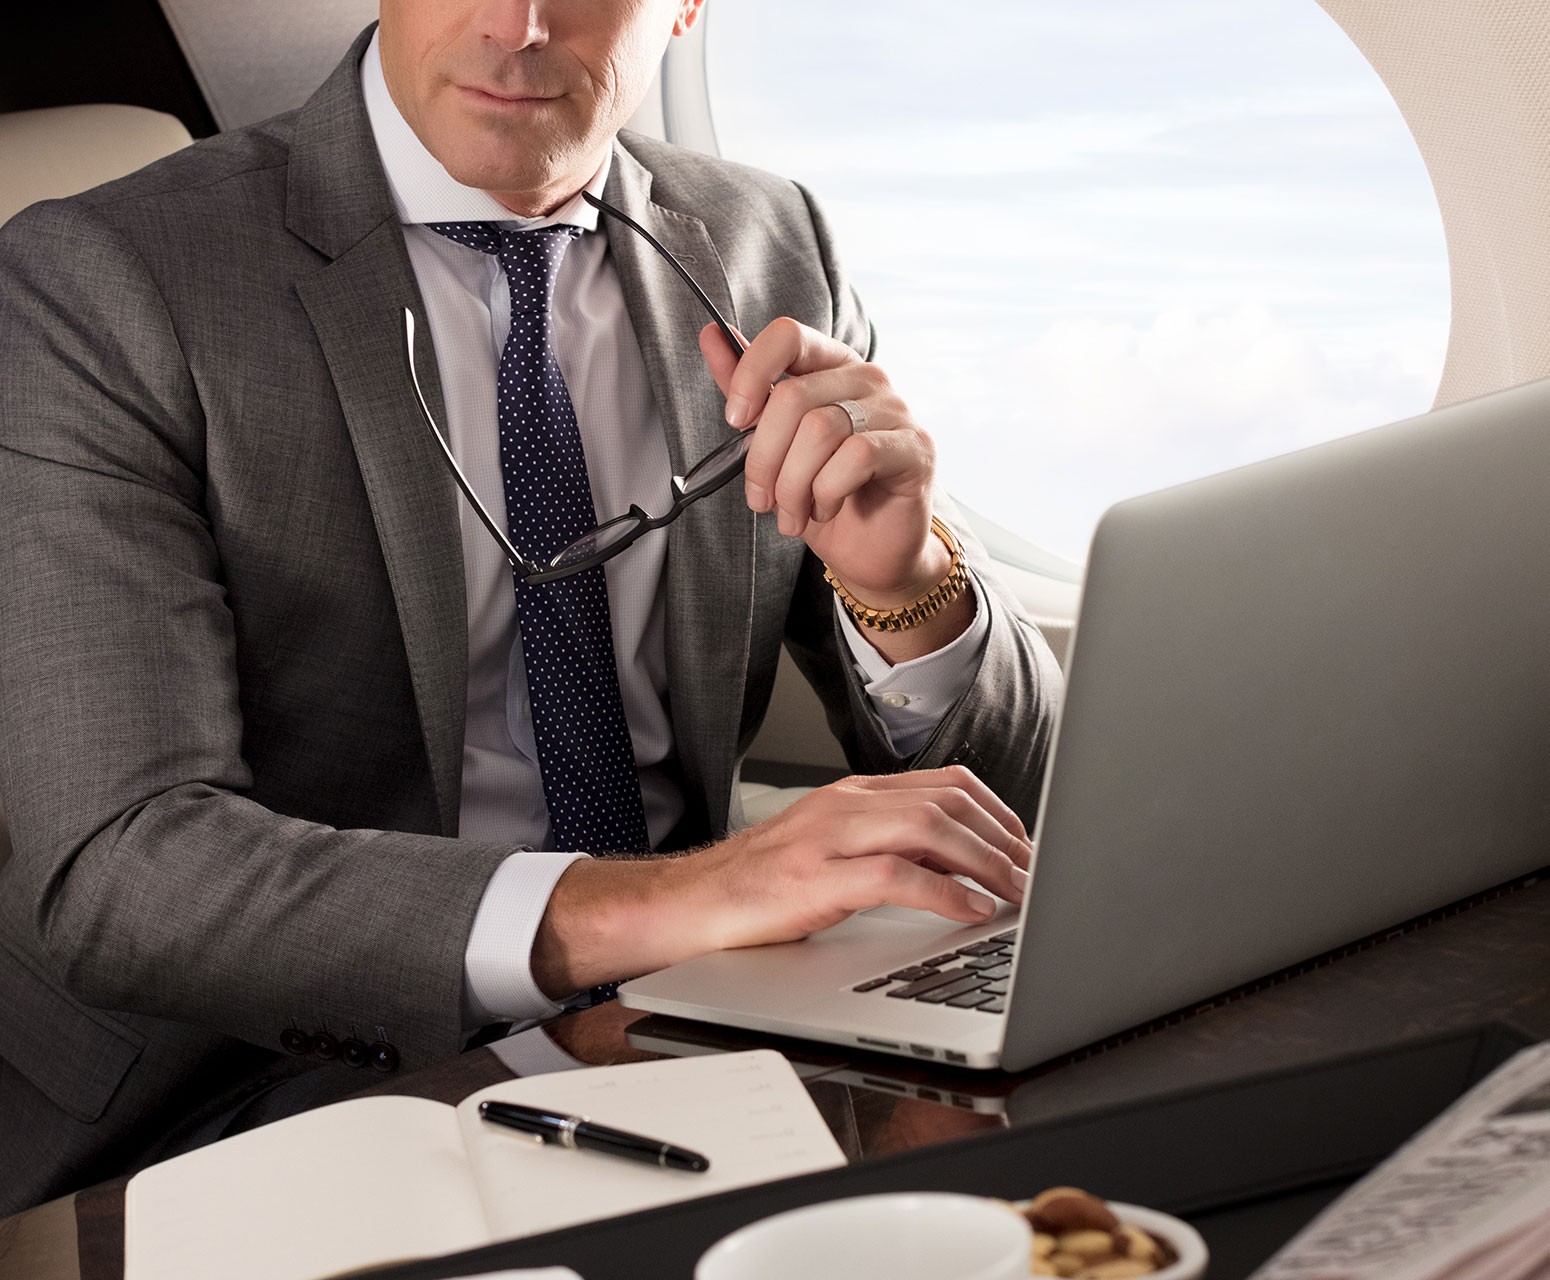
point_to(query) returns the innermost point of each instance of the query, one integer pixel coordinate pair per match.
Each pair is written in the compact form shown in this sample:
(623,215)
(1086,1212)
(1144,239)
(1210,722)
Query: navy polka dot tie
(584,753)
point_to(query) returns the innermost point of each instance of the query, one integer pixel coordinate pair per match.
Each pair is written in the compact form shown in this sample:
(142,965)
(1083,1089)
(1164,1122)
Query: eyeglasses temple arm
(518,561)
(721,322)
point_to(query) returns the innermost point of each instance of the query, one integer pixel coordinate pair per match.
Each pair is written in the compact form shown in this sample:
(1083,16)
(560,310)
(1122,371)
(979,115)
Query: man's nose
(515,24)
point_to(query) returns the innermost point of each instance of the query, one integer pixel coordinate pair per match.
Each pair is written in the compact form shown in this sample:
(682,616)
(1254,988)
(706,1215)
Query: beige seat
(58,151)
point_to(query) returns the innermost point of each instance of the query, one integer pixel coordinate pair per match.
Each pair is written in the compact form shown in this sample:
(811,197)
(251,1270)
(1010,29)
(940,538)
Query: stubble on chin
(480,154)
(482,145)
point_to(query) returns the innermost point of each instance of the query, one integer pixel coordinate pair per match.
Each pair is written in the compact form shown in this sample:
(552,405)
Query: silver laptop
(1308,699)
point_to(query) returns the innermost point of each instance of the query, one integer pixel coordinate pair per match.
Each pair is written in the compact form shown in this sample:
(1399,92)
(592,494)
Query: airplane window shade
(1107,248)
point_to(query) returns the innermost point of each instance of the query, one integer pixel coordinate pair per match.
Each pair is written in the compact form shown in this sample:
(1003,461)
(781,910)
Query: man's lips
(506,99)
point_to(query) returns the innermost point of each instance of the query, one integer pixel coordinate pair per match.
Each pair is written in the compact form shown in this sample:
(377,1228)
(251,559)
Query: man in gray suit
(300,780)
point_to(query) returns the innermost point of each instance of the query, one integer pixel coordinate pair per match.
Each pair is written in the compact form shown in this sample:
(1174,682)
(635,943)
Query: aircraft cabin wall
(1472,78)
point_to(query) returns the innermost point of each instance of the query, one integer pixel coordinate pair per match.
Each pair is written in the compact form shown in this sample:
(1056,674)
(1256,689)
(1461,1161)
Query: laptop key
(873,984)
(969,999)
(936,978)
(984,962)
(935,961)
(1009,936)
(995,1005)
(1003,970)
(996,988)
(942,994)
(911,973)
(986,948)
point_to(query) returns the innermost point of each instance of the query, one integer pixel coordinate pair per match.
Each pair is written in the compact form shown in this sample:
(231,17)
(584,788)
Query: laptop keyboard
(972,977)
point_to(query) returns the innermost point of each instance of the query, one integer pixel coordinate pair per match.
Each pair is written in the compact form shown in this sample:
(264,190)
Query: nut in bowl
(1081,1237)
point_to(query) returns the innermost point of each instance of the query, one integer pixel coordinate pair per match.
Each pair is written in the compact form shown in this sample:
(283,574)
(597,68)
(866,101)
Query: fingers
(799,430)
(898,460)
(961,808)
(719,357)
(955,776)
(784,347)
(860,883)
(968,812)
(790,382)
(923,829)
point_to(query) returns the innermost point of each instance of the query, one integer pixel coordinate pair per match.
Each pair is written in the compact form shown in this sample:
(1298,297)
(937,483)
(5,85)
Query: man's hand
(861,501)
(854,844)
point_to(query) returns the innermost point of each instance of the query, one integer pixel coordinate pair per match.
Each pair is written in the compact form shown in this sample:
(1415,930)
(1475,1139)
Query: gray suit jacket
(232,633)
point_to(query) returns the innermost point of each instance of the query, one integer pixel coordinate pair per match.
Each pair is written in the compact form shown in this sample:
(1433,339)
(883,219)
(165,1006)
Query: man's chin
(526,161)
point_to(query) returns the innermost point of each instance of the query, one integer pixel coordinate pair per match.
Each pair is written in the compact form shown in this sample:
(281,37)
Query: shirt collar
(423,191)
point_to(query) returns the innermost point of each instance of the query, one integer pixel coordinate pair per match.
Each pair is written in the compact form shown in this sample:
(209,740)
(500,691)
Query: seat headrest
(59,151)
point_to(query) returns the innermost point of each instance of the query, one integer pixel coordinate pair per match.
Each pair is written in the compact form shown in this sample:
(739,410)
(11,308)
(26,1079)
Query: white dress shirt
(468,308)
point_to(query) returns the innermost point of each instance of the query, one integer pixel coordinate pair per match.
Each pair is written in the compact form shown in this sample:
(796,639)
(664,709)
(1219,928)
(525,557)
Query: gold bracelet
(913,614)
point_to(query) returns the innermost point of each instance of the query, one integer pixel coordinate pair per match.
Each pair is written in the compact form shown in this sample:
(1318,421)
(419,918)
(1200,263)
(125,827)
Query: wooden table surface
(1488,963)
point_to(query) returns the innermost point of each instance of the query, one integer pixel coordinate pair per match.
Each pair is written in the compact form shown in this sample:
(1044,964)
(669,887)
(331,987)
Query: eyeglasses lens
(598,542)
(719,467)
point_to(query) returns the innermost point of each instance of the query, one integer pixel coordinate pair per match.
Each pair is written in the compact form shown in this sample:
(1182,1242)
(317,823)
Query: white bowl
(925,1235)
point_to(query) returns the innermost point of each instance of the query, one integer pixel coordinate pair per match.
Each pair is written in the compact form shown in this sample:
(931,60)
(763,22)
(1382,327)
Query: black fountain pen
(578,1131)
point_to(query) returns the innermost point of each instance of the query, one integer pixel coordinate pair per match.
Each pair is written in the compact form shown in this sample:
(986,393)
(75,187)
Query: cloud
(1048,432)
(1186,375)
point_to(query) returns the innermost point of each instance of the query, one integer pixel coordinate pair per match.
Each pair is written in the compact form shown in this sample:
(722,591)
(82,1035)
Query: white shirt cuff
(910,698)
(532,1053)
(498,981)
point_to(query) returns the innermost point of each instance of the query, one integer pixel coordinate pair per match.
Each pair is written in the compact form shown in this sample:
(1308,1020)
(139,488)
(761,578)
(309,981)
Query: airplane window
(1108,247)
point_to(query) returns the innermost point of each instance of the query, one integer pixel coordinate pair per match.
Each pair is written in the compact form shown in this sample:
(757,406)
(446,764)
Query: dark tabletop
(1487,964)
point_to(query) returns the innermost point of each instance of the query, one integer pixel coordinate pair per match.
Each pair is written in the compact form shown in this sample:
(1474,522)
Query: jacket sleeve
(143,877)
(1003,724)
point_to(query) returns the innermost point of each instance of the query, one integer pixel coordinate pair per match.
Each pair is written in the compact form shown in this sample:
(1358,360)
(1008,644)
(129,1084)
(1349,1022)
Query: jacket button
(383,1056)
(352,1052)
(293,1040)
(968,757)
(325,1046)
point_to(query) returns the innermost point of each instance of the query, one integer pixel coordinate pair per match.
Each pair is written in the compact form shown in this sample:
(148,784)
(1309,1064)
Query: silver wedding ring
(856,414)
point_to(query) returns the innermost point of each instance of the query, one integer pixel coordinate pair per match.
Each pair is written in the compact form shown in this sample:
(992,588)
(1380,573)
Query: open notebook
(377,1180)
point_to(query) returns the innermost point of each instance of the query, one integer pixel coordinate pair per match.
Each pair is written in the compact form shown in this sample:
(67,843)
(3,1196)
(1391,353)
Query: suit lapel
(338,201)
(710,548)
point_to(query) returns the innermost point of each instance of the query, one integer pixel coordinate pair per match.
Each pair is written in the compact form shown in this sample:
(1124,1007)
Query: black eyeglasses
(611,537)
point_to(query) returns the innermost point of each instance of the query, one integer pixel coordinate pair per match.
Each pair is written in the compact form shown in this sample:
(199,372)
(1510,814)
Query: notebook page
(358,1183)
(748,1112)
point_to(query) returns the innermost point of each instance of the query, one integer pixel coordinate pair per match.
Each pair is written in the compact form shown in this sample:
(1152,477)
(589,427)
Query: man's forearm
(611,919)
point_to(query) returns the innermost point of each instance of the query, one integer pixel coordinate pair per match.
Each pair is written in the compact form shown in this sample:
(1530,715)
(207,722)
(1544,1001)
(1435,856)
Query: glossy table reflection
(1489,963)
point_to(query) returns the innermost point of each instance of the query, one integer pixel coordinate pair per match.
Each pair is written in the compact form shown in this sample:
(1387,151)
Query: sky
(1110,247)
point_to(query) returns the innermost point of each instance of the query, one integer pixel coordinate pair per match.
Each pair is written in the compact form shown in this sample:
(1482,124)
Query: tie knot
(531,259)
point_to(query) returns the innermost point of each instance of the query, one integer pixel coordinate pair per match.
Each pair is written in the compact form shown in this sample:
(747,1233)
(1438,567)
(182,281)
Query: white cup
(925,1235)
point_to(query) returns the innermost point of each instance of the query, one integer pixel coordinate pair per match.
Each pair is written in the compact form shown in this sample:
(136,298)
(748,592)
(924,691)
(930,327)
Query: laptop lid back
(1308,699)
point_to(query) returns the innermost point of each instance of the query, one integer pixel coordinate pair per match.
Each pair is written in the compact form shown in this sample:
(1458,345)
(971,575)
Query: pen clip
(567,1131)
